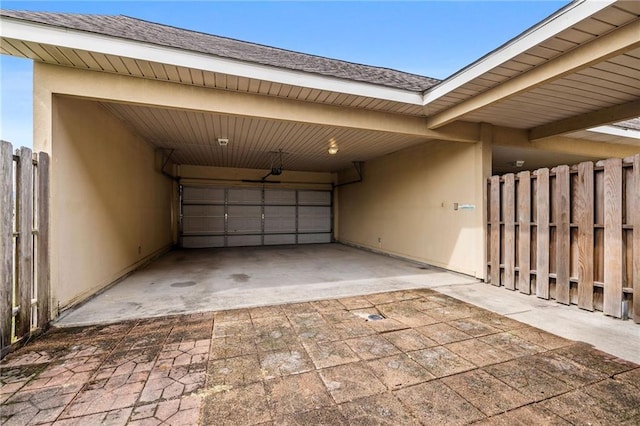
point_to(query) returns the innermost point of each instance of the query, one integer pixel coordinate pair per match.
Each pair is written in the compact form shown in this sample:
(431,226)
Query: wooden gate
(24,238)
(570,233)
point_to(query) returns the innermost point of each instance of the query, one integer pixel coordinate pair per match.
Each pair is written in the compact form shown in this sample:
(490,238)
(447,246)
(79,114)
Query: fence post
(524,232)
(613,249)
(636,238)
(585,221)
(542,222)
(25,240)
(563,234)
(6,243)
(495,230)
(43,239)
(508,212)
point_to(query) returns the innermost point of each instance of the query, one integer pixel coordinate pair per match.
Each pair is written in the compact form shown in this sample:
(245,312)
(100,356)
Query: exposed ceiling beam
(585,121)
(600,49)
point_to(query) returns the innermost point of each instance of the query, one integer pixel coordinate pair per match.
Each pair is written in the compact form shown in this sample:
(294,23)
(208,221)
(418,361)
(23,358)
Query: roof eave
(83,40)
(554,24)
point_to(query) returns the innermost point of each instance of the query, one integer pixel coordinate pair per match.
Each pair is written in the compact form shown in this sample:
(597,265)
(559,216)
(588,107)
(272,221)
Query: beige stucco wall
(110,207)
(404,206)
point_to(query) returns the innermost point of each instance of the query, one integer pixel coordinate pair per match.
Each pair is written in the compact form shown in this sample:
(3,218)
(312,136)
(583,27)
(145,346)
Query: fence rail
(570,233)
(24,240)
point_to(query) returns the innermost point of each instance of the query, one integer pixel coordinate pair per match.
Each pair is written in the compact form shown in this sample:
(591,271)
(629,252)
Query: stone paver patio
(431,360)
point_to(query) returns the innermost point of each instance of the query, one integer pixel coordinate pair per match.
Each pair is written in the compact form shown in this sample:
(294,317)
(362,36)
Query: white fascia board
(617,131)
(82,40)
(560,21)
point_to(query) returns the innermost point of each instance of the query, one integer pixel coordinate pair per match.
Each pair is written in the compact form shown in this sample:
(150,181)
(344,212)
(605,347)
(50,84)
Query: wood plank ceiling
(611,82)
(194,137)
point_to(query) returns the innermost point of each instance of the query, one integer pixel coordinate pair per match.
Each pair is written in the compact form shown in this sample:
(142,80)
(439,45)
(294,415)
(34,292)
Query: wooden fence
(570,233)
(24,237)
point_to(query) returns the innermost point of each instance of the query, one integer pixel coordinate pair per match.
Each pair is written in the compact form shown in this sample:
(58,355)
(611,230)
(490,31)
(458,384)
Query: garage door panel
(314,238)
(280,219)
(202,241)
(203,219)
(314,219)
(231,217)
(322,198)
(244,240)
(244,219)
(244,196)
(198,195)
(280,197)
(279,239)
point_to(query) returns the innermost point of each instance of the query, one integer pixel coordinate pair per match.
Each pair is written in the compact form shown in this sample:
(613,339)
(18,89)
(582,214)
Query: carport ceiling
(193,136)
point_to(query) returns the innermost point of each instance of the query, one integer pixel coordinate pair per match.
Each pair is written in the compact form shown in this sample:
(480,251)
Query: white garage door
(231,217)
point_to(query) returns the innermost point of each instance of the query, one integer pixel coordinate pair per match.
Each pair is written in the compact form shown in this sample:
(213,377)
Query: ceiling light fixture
(333,150)
(223,141)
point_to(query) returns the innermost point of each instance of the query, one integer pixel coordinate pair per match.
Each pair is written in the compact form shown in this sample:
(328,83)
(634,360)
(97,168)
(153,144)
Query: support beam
(160,94)
(600,49)
(586,121)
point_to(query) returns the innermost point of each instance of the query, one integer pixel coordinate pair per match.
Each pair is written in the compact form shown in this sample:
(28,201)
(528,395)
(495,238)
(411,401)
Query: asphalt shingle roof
(148,32)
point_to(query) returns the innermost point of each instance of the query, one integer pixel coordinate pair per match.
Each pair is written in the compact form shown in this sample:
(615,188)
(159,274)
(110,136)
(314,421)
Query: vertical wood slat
(613,248)
(524,232)
(6,243)
(43,239)
(585,220)
(495,230)
(563,234)
(25,241)
(509,231)
(635,222)
(542,215)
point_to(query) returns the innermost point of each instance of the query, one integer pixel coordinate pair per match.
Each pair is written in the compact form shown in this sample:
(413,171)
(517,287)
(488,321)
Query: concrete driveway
(431,359)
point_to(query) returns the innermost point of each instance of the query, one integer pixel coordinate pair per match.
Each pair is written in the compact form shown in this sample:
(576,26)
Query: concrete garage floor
(433,360)
(200,280)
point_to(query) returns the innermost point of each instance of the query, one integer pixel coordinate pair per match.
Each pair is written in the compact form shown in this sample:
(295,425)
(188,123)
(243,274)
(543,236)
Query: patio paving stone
(433,360)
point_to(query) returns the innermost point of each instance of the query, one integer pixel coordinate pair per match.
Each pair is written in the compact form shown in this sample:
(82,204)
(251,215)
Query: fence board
(509,231)
(6,243)
(613,249)
(563,234)
(585,219)
(542,215)
(43,239)
(635,222)
(25,240)
(495,230)
(524,232)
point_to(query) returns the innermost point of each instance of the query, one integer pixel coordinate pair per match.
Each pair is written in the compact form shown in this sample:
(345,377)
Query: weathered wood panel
(495,230)
(524,232)
(563,235)
(613,249)
(542,230)
(6,243)
(25,240)
(635,222)
(43,239)
(585,217)
(509,231)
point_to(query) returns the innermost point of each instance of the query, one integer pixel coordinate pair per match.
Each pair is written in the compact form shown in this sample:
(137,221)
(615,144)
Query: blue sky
(432,38)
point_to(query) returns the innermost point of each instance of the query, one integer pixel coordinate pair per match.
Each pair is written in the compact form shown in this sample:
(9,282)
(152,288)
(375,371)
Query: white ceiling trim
(616,131)
(81,40)
(561,20)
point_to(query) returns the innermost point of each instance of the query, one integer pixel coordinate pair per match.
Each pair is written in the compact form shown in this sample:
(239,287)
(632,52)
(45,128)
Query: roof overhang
(32,32)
